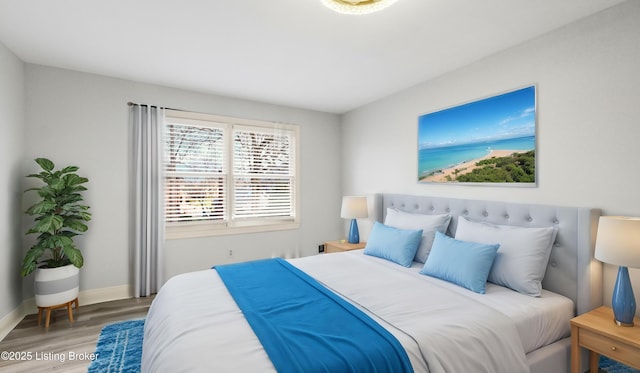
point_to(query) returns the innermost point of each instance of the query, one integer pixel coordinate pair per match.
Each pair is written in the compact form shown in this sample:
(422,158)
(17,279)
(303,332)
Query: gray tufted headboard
(572,271)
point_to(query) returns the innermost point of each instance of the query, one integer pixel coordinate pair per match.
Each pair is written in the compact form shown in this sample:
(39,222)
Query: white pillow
(522,258)
(428,223)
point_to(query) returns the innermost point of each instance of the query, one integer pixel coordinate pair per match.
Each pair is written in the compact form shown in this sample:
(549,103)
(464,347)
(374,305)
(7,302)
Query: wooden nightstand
(337,246)
(597,332)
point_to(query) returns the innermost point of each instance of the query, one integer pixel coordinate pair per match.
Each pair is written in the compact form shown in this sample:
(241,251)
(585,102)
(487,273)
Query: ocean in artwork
(440,158)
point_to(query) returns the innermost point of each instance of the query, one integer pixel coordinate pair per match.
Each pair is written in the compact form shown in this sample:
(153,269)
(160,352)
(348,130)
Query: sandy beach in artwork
(466,167)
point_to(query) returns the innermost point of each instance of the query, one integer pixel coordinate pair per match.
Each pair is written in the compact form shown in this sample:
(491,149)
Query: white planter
(55,286)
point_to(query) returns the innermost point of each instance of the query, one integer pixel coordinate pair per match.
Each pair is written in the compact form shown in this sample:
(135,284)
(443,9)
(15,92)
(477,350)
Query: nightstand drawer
(606,346)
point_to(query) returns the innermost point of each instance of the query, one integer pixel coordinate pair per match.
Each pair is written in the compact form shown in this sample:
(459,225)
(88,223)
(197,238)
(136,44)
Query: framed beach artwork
(492,140)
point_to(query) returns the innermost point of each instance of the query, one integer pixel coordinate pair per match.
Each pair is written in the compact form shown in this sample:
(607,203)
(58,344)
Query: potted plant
(59,217)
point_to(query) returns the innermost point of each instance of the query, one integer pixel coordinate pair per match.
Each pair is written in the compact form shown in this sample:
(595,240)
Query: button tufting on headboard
(572,271)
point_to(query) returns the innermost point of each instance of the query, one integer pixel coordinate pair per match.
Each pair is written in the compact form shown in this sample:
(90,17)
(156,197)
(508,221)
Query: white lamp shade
(354,207)
(618,241)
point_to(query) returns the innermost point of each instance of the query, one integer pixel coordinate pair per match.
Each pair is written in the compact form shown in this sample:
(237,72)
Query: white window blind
(263,170)
(195,172)
(225,175)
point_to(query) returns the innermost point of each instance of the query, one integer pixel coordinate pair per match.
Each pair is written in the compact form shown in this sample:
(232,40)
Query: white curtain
(147,124)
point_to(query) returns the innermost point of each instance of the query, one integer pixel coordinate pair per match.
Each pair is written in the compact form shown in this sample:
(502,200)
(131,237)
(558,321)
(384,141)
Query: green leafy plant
(59,216)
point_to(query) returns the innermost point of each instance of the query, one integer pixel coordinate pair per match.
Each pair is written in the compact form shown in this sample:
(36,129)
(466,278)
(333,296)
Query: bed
(444,322)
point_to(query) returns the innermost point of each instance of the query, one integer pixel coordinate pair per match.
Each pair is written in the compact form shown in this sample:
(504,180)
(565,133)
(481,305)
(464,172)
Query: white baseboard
(105,294)
(85,297)
(10,321)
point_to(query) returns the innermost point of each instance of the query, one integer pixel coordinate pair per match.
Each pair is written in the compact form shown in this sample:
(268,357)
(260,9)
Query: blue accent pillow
(396,245)
(463,263)
(428,223)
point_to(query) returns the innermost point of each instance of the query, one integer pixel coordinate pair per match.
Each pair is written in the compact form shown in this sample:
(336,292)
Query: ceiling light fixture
(357,6)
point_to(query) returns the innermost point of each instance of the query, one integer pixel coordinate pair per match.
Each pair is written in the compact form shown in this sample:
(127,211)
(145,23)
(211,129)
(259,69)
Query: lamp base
(354,235)
(620,323)
(623,301)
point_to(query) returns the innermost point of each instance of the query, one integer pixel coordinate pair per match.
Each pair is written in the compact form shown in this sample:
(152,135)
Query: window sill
(208,230)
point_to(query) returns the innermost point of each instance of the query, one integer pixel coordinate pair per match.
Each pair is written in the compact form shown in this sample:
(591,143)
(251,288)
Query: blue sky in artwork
(510,115)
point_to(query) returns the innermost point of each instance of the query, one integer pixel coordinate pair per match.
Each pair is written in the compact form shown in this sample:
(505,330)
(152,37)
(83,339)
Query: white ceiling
(289,52)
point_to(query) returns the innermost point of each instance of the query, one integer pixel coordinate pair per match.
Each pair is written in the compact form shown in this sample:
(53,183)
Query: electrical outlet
(230,252)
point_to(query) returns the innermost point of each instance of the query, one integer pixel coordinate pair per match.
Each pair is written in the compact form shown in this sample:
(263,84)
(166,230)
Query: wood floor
(63,340)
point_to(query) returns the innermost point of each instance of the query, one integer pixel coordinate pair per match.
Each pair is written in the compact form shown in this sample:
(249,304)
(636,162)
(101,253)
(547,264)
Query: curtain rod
(168,108)
(200,112)
(156,106)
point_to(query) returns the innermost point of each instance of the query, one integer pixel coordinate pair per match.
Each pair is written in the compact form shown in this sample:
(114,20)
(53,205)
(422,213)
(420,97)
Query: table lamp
(354,207)
(618,243)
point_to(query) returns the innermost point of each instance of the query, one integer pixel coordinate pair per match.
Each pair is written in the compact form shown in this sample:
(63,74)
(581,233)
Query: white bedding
(195,326)
(539,320)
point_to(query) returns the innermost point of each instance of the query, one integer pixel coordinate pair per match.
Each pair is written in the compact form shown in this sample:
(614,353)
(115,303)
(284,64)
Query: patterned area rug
(611,366)
(119,348)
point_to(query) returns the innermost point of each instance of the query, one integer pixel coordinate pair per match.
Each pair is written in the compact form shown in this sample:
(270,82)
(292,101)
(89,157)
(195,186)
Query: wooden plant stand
(51,308)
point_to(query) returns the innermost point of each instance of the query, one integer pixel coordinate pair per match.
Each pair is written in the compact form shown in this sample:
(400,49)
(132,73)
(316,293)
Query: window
(226,175)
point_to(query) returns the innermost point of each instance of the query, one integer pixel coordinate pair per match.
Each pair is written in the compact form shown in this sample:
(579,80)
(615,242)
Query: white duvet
(195,326)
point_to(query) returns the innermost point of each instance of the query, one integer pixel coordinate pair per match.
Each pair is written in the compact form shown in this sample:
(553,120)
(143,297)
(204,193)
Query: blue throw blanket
(304,327)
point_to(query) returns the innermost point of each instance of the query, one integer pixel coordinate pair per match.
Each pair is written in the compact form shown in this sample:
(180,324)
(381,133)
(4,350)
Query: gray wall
(81,119)
(11,173)
(588,114)
(587,78)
